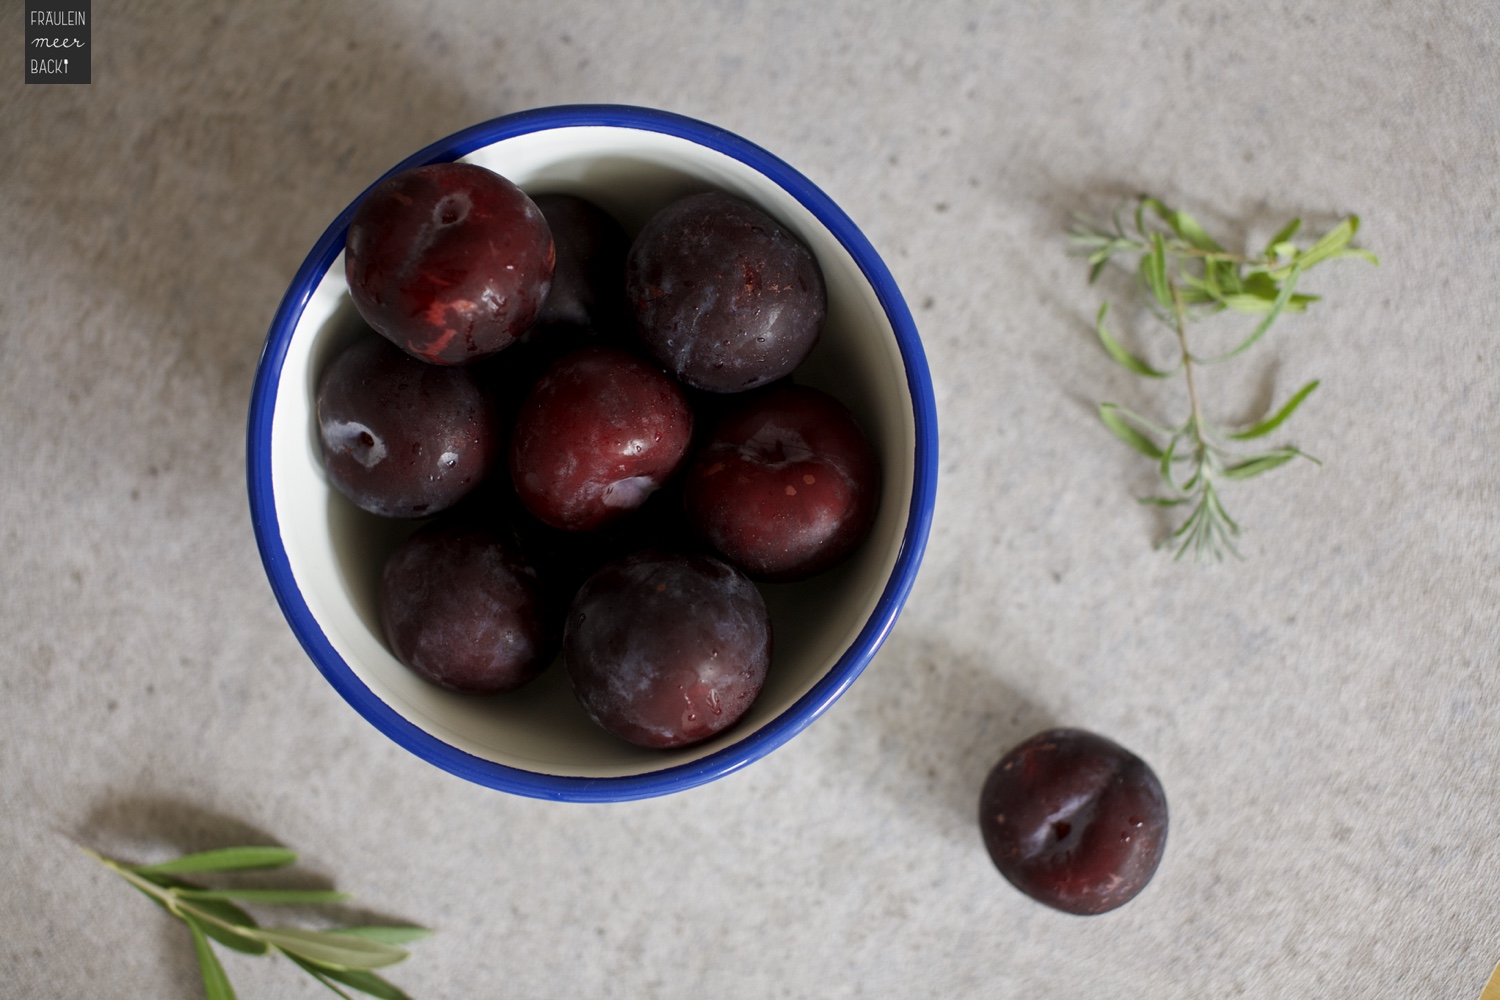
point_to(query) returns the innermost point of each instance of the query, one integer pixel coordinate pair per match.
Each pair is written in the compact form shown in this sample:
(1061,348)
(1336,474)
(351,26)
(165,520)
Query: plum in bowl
(323,555)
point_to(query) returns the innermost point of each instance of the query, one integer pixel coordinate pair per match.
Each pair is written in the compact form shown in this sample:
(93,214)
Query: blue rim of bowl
(754,745)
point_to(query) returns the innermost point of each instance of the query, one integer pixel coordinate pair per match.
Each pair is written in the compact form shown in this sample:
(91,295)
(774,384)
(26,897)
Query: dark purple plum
(463,609)
(402,438)
(598,434)
(449,261)
(722,294)
(666,650)
(588,281)
(1074,821)
(787,485)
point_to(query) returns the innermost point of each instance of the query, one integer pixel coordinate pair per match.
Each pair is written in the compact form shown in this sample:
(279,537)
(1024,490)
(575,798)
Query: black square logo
(58,41)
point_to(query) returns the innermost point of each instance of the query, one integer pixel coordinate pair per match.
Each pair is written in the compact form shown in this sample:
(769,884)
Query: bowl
(323,556)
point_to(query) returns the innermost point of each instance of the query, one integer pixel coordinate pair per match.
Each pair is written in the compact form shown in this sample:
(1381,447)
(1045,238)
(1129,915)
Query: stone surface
(1322,715)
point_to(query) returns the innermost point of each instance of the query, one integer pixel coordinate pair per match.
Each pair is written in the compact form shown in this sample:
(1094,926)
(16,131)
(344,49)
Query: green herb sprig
(344,956)
(1185,276)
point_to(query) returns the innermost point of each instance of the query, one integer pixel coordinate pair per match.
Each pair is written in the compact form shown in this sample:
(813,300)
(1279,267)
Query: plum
(723,295)
(399,437)
(450,261)
(1074,820)
(588,280)
(462,608)
(787,485)
(667,649)
(597,435)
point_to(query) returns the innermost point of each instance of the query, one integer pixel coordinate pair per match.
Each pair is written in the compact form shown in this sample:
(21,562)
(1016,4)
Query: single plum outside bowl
(323,555)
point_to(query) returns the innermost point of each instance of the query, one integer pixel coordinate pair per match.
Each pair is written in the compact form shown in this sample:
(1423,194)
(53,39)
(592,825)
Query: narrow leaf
(1254,304)
(385,935)
(228,859)
(1331,243)
(1161,501)
(1283,235)
(1357,252)
(215,981)
(1111,415)
(1166,462)
(230,914)
(1140,214)
(218,909)
(269,897)
(1260,463)
(1187,227)
(1276,419)
(1154,270)
(1119,353)
(1248,303)
(1231,528)
(359,979)
(1265,324)
(339,951)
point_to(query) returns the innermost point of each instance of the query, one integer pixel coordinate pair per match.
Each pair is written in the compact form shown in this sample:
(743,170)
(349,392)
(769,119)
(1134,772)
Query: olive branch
(1186,276)
(344,956)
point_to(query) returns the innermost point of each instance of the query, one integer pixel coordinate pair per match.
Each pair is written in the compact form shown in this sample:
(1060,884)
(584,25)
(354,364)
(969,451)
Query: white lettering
(59,18)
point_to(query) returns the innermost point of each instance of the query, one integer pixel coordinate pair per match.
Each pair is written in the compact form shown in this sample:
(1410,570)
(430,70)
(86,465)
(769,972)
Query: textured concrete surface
(1322,714)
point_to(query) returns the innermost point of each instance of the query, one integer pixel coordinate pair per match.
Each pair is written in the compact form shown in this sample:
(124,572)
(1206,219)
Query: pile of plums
(604,433)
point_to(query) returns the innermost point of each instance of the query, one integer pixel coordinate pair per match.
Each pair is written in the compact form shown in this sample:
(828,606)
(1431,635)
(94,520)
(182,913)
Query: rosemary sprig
(1185,276)
(344,956)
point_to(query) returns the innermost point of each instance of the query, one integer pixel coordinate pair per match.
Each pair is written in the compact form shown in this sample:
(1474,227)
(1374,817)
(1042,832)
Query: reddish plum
(462,608)
(449,261)
(597,435)
(786,487)
(722,294)
(1074,821)
(666,650)
(399,437)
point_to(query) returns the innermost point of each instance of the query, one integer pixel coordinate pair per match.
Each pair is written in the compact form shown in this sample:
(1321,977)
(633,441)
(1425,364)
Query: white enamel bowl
(322,555)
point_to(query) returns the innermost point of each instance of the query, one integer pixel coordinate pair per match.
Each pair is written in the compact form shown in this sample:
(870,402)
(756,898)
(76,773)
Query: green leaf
(1260,463)
(1119,353)
(1140,215)
(1357,252)
(1247,303)
(217,909)
(1154,271)
(385,935)
(1166,462)
(228,859)
(1331,243)
(1274,421)
(1187,227)
(341,951)
(1282,299)
(269,897)
(1255,304)
(1196,291)
(1184,225)
(230,914)
(359,979)
(1284,236)
(215,981)
(1114,418)
(1161,501)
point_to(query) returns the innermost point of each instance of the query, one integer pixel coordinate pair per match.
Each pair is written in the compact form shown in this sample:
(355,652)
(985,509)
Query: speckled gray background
(1323,715)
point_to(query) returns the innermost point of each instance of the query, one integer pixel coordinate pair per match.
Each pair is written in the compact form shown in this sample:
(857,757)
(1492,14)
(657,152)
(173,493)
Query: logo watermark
(58,41)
